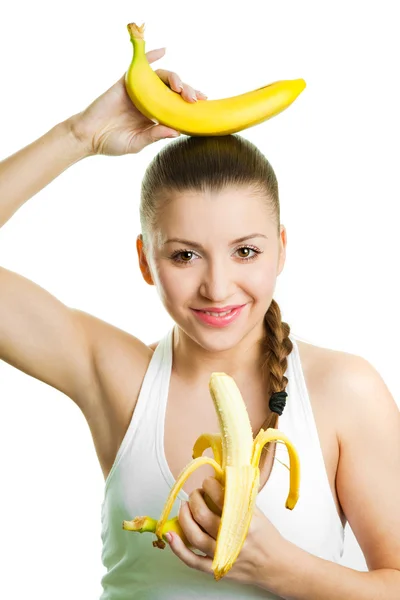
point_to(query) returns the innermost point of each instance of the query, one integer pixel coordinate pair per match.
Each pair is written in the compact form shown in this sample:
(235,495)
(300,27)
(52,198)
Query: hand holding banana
(263,553)
(113,126)
(236,458)
(144,106)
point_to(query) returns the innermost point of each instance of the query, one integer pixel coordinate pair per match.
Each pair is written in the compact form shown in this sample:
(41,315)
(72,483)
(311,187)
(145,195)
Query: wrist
(78,136)
(276,571)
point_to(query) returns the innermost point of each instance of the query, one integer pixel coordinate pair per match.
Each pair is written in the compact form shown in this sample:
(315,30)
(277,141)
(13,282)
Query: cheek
(175,283)
(262,280)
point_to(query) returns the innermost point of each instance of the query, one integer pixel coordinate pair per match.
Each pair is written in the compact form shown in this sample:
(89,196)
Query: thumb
(154,55)
(154,134)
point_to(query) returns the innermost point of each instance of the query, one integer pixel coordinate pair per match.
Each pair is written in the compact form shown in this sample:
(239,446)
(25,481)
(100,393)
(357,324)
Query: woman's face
(210,269)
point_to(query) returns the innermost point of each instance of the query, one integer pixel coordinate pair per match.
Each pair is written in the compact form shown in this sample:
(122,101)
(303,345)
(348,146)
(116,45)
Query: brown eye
(248,256)
(176,257)
(246,251)
(186,252)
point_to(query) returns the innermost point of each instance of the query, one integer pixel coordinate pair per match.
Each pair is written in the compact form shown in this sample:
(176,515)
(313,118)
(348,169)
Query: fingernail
(194,98)
(201,94)
(168,537)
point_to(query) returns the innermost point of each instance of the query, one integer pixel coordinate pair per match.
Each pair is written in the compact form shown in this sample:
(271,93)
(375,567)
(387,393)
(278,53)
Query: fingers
(196,528)
(202,514)
(173,80)
(190,558)
(200,526)
(214,490)
(154,55)
(153,134)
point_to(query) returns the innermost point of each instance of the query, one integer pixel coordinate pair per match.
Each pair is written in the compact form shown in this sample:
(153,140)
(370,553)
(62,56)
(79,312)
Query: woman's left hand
(262,553)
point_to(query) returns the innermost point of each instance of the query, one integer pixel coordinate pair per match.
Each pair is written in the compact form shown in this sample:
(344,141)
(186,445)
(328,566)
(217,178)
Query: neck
(194,361)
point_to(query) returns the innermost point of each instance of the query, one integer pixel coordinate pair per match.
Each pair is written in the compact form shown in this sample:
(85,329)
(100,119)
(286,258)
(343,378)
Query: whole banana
(208,117)
(236,458)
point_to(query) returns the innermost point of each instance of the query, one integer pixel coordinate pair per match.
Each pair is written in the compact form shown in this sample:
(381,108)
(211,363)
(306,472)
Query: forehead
(203,215)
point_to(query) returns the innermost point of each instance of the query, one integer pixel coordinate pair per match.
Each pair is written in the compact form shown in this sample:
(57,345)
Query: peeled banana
(162,105)
(236,458)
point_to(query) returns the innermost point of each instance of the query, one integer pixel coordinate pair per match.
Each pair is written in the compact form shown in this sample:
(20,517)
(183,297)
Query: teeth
(217,314)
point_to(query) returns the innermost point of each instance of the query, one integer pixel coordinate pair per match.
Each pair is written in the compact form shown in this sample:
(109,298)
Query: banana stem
(148,525)
(140,524)
(135,31)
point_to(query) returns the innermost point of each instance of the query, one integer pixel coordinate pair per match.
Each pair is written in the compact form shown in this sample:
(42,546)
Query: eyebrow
(196,245)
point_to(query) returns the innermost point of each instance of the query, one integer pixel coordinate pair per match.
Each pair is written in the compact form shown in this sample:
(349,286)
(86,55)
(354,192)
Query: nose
(217,280)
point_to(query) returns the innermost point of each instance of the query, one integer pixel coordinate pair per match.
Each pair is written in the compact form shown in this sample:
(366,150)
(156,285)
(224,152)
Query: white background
(334,151)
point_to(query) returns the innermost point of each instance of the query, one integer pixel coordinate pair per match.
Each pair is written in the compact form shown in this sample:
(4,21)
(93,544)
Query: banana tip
(135,31)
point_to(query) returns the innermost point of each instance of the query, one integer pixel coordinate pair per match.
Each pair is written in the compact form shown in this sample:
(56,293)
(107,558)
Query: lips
(221,321)
(219,310)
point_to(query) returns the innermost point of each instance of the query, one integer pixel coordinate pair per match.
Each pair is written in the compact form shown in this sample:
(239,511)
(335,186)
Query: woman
(146,406)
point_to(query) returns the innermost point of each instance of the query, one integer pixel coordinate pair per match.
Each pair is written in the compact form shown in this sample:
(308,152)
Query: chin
(218,339)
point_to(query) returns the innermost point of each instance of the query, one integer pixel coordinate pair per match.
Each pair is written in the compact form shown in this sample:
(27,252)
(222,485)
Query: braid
(277,346)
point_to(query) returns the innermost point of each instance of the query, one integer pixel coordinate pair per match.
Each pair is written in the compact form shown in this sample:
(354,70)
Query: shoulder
(348,393)
(342,386)
(367,422)
(344,379)
(120,340)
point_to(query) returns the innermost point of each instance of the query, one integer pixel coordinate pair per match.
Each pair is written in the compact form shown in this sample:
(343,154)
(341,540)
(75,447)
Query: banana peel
(236,460)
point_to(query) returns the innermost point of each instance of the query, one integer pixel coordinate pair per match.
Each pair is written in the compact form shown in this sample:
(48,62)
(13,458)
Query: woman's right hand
(112,124)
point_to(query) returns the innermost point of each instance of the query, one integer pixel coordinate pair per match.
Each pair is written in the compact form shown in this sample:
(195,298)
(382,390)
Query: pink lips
(223,309)
(219,321)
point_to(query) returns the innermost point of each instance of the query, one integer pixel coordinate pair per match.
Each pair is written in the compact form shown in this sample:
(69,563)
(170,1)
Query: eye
(181,253)
(175,255)
(252,249)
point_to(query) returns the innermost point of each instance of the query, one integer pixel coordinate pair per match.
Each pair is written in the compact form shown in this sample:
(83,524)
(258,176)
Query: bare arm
(40,335)
(111,125)
(25,173)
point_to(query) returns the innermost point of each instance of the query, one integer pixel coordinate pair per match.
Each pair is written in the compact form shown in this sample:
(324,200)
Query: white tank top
(140,480)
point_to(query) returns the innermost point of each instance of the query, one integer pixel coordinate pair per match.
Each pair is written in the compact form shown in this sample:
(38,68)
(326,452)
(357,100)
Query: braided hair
(277,346)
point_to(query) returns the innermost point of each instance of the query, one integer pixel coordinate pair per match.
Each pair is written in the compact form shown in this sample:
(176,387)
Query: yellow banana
(162,105)
(147,524)
(236,467)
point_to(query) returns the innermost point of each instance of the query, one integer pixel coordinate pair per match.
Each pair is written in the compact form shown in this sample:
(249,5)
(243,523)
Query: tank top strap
(301,423)
(154,378)
(152,393)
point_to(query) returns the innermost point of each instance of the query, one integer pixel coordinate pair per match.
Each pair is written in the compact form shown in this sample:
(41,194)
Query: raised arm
(42,337)
(39,335)
(29,170)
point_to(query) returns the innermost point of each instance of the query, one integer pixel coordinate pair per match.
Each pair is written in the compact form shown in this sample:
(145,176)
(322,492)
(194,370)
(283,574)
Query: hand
(263,551)
(112,124)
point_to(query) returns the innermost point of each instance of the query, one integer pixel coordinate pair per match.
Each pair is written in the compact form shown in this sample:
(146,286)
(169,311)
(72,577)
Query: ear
(282,249)
(143,264)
